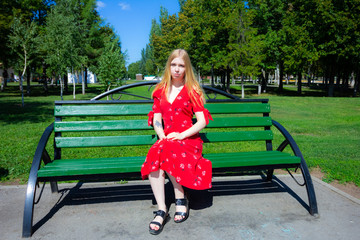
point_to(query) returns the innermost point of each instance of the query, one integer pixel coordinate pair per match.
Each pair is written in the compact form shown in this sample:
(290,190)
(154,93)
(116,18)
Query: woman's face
(177,68)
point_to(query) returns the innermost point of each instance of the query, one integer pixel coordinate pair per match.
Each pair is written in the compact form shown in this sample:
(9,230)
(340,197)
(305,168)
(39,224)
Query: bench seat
(93,166)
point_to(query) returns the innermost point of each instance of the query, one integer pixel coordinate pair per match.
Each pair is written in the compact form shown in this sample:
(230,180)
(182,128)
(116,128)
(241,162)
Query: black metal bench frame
(42,155)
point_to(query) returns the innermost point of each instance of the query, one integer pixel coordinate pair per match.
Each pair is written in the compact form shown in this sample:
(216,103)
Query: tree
(168,38)
(299,52)
(111,67)
(62,41)
(133,69)
(245,44)
(28,11)
(23,39)
(89,24)
(269,22)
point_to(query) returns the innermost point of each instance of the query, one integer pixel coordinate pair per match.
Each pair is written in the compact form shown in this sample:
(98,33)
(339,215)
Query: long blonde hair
(190,80)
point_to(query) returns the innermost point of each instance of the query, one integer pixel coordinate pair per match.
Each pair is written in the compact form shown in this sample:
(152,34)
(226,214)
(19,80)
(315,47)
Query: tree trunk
(82,82)
(86,78)
(356,84)
(222,79)
(228,80)
(65,84)
(21,76)
(44,78)
(212,76)
(281,76)
(299,82)
(74,84)
(108,89)
(309,77)
(6,76)
(28,78)
(331,85)
(61,86)
(242,87)
(265,78)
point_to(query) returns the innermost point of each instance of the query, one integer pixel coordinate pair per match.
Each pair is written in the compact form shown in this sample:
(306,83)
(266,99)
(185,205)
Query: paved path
(236,208)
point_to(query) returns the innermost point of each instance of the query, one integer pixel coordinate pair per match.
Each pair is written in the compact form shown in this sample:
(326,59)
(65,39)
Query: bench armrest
(40,150)
(303,166)
(288,140)
(40,153)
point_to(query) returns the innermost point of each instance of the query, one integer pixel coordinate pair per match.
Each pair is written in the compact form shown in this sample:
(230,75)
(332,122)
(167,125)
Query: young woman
(178,152)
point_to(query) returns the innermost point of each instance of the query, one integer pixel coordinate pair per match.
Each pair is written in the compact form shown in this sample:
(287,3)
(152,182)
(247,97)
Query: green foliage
(111,67)
(62,38)
(24,42)
(245,44)
(254,38)
(133,69)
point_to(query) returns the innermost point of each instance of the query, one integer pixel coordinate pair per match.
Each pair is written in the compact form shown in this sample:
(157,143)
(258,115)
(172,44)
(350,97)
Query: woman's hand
(175,136)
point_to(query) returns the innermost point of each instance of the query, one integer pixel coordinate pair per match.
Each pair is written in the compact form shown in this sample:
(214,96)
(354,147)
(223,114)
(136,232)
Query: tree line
(53,38)
(251,39)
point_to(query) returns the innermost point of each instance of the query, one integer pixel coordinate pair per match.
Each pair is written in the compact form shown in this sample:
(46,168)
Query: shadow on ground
(198,199)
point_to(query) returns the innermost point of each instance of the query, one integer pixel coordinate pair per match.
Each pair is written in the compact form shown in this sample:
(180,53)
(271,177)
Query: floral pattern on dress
(180,158)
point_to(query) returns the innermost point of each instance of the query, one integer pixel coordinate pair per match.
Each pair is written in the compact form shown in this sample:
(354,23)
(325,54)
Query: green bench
(121,126)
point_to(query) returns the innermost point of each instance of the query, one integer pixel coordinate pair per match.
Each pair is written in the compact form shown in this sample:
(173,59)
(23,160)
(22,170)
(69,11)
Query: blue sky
(131,20)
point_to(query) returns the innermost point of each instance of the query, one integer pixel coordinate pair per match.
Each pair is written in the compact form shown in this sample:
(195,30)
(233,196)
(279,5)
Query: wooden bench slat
(142,124)
(143,109)
(221,162)
(111,125)
(104,141)
(218,108)
(135,140)
(100,161)
(88,171)
(66,162)
(68,167)
(240,122)
(101,110)
(236,136)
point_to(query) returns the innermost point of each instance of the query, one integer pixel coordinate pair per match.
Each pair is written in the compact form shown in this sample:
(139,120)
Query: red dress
(179,158)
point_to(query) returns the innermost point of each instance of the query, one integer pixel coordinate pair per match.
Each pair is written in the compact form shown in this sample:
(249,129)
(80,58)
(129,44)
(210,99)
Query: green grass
(327,130)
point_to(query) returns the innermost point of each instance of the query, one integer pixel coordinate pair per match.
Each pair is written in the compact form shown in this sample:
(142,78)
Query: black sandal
(162,214)
(185,215)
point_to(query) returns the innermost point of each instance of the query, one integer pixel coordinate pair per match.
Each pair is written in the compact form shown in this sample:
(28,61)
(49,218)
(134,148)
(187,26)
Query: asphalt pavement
(235,208)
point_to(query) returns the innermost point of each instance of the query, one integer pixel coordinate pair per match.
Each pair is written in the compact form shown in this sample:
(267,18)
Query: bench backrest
(109,125)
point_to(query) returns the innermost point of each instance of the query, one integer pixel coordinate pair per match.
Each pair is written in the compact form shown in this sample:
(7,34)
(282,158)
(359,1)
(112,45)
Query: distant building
(91,78)
(150,78)
(139,76)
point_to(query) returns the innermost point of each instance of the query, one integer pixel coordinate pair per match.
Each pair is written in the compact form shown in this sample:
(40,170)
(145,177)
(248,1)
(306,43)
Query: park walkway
(236,208)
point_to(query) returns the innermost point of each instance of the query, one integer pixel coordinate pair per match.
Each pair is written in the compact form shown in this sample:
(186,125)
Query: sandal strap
(181,202)
(156,223)
(160,213)
(183,214)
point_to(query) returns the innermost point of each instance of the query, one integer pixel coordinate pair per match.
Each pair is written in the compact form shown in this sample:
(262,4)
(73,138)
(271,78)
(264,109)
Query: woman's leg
(179,194)
(157,182)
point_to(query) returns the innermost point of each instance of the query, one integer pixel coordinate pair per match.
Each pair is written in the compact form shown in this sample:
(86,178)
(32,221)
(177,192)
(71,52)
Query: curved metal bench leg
(53,184)
(29,207)
(313,209)
(269,175)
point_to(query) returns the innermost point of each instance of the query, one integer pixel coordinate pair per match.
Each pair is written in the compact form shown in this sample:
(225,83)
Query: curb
(338,191)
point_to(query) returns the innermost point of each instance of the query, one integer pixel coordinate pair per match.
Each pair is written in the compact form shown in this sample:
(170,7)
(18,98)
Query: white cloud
(124,6)
(100,4)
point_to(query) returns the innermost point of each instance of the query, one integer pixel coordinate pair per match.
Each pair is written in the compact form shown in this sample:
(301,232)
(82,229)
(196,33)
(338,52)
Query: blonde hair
(190,80)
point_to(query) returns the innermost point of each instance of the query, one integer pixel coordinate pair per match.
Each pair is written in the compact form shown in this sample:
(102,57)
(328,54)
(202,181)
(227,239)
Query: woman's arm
(197,127)
(158,127)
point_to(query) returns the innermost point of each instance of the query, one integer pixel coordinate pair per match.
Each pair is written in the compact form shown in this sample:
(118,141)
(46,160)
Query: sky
(131,20)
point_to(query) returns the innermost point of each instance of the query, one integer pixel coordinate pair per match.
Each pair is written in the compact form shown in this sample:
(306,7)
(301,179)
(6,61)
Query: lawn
(327,130)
